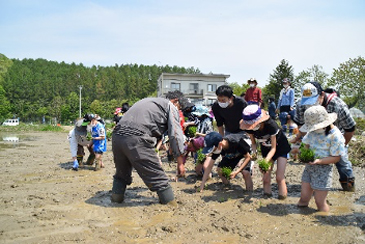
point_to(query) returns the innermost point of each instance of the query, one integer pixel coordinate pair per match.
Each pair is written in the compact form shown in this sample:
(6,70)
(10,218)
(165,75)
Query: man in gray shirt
(134,140)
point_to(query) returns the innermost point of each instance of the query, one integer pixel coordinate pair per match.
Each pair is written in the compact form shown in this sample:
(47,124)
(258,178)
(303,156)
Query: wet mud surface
(43,201)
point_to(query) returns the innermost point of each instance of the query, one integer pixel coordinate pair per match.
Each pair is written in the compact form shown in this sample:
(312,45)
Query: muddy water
(43,201)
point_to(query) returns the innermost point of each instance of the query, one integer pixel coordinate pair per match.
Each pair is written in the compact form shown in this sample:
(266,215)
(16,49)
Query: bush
(50,128)
(360,126)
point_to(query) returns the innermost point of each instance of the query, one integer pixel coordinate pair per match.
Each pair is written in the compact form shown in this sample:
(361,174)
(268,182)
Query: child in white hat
(328,144)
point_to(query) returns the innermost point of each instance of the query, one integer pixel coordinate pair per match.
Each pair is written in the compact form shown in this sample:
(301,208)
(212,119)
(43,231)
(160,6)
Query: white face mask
(286,86)
(252,85)
(320,131)
(224,105)
(257,127)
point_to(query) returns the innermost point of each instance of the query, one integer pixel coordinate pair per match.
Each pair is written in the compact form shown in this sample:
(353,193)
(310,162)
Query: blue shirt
(286,98)
(97,131)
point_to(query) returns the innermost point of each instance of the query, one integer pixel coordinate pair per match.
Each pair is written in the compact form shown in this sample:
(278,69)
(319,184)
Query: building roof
(195,75)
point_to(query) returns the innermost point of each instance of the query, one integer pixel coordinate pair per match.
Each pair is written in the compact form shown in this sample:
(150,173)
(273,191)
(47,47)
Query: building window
(175,86)
(212,87)
(194,88)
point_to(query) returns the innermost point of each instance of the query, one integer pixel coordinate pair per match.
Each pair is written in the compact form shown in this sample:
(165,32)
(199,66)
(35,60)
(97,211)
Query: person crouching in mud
(133,144)
(77,139)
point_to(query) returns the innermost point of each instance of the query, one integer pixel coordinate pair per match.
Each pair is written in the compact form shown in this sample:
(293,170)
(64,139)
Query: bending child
(274,145)
(329,145)
(233,148)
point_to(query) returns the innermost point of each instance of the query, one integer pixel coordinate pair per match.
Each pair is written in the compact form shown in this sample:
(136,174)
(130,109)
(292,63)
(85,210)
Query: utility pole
(80,101)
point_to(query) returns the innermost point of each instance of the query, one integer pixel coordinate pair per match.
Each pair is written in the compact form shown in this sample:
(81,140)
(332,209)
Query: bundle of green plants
(89,136)
(226,172)
(190,131)
(109,133)
(306,155)
(264,165)
(200,157)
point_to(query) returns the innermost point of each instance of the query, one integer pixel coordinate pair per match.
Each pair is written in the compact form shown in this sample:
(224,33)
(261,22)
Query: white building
(198,88)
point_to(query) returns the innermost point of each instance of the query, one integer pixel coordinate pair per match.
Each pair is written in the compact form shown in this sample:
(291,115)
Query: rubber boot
(90,159)
(80,159)
(348,185)
(166,195)
(118,191)
(75,165)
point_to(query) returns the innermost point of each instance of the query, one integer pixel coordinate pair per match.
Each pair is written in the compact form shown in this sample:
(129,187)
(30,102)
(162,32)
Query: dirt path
(43,201)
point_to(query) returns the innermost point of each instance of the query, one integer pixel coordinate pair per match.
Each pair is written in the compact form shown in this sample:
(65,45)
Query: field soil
(42,200)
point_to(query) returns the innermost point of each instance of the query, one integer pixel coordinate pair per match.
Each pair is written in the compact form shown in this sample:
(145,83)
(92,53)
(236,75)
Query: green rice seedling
(190,131)
(306,155)
(89,137)
(200,157)
(264,165)
(226,172)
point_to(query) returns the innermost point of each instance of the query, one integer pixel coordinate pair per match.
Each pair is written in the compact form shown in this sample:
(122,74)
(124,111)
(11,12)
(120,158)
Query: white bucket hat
(316,117)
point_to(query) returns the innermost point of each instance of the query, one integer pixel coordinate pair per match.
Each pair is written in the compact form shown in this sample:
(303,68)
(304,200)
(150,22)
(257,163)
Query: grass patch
(22,127)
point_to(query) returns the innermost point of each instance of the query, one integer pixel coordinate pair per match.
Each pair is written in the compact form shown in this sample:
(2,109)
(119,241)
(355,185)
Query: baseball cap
(310,93)
(118,110)
(211,140)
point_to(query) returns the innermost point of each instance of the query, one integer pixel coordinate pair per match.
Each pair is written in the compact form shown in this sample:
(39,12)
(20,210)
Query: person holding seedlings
(274,145)
(313,94)
(77,138)
(99,139)
(328,145)
(195,146)
(233,148)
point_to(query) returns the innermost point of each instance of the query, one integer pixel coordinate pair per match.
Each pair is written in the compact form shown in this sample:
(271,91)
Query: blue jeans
(344,167)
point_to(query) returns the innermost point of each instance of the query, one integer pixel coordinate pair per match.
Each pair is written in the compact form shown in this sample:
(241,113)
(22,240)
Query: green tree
(238,89)
(283,70)
(349,80)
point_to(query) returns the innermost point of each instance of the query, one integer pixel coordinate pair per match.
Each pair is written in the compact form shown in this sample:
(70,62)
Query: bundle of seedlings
(89,136)
(190,131)
(226,172)
(264,165)
(306,155)
(200,157)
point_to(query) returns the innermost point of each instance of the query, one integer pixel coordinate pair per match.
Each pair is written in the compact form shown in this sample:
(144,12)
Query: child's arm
(253,146)
(272,150)
(208,165)
(326,160)
(242,166)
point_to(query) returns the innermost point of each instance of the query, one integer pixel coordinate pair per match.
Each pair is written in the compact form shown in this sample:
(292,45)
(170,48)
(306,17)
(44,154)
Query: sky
(243,39)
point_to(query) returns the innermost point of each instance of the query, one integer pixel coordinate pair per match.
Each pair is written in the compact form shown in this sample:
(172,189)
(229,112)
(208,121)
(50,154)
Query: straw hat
(252,80)
(252,115)
(316,117)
